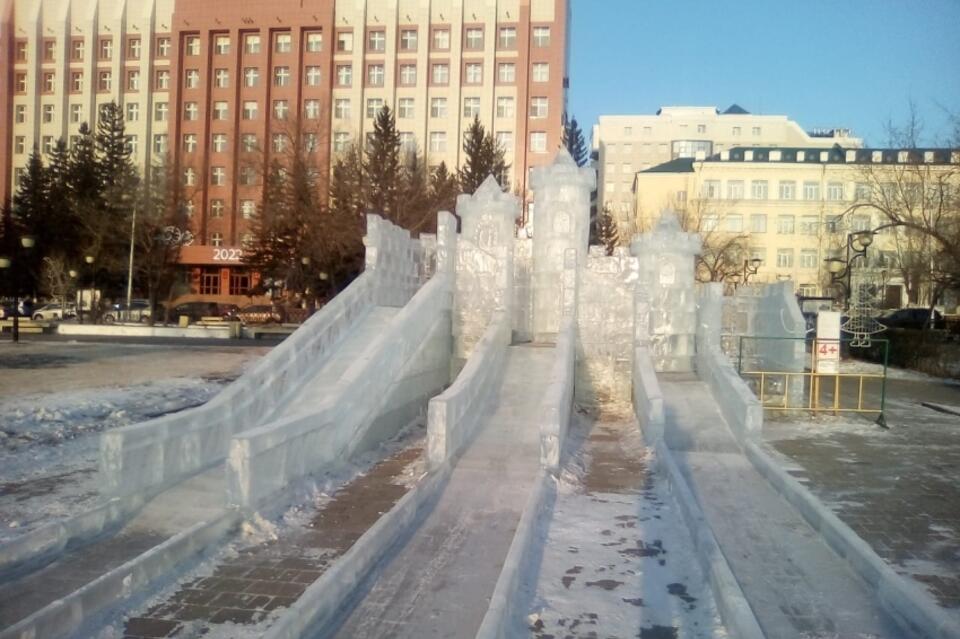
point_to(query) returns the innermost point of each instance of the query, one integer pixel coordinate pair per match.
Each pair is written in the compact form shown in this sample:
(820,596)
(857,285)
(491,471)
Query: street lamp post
(27,242)
(841,270)
(73,285)
(89,259)
(750,267)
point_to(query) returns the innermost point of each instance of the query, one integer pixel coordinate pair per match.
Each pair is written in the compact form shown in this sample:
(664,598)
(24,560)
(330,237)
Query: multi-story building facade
(217,87)
(792,207)
(626,144)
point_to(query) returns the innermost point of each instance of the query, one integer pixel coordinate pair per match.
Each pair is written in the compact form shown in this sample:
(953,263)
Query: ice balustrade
(558,398)
(149,456)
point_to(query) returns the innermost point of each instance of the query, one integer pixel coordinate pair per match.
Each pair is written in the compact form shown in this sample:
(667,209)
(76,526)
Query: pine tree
(381,166)
(109,226)
(574,141)
(61,214)
(31,208)
(484,157)
(347,186)
(415,212)
(607,232)
(444,189)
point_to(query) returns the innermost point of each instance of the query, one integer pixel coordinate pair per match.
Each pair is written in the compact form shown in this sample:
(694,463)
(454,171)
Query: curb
(321,607)
(66,616)
(506,594)
(734,609)
(907,602)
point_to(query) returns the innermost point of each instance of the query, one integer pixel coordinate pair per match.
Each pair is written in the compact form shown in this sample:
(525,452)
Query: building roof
(679,165)
(735,109)
(837,155)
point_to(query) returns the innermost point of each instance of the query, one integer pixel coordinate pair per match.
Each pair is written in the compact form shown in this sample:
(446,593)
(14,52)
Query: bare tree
(56,281)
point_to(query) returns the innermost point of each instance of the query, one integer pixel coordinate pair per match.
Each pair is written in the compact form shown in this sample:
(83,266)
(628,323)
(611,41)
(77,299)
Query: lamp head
(835,264)
(4,261)
(323,276)
(88,259)
(755,263)
(72,273)
(305,260)
(28,241)
(864,238)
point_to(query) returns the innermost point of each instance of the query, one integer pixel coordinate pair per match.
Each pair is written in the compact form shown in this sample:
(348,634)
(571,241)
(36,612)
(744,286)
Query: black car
(198,310)
(916,318)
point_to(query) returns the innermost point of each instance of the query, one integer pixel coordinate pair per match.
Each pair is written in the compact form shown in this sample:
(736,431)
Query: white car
(54,312)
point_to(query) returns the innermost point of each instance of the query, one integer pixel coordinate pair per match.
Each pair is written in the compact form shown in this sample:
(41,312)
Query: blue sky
(838,63)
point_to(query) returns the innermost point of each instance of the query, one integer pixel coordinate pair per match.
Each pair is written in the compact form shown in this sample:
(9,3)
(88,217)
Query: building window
(835,191)
(251,77)
(189,177)
(344,75)
(313,76)
(861,223)
(506,72)
(734,223)
(77,47)
(133,48)
(104,81)
(471,107)
(408,75)
(20,83)
(438,141)
(735,190)
(191,111)
(408,142)
(240,280)
(311,109)
(163,47)
(192,45)
(758,223)
(248,176)
(188,208)
(341,141)
(49,81)
(216,209)
(811,190)
(373,106)
(48,144)
(160,143)
(438,107)
(49,50)
(279,142)
(219,142)
(46,113)
(189,143)
(784,258)
(474,39)
(788,190)
(19,145)
(20,113)
(441,39)
(538,107)
(248,209)
(341,109)
(711,189)
(281,109)
(191,79)
(210,277)
(862,192)
(162,81)
(808,225)
(736,131)
(216,239)
(281,76)
(756,131)
(541,72)
(785,224)
(344,42)
(221,79)
(133,81)
(541,36)
(758,190)
(507,38)
(441,74)
(222,45)
(538,142)
(505,107)
(20,54)
(283,43)
(314,42)
(249,142)
(251,43)
(133,111)
(408,40)
(160,111)
(311,142)
(376,41)
(505,140)
(220,110)
(701,128)
(106,48)
(375,75)
(474,73)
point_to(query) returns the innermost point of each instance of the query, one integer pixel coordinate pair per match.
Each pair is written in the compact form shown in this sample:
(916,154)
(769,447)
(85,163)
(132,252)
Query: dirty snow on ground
(860,367)
(288,518)
(618,560)
(49,442)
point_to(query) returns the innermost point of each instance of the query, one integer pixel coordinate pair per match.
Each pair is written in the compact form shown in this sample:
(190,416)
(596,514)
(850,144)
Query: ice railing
(158,453)
(558,398)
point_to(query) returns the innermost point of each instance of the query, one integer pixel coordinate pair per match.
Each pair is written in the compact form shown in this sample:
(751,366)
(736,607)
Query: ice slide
(171,476)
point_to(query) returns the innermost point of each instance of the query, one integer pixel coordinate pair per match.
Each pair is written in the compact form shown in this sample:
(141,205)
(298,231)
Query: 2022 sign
(227,254)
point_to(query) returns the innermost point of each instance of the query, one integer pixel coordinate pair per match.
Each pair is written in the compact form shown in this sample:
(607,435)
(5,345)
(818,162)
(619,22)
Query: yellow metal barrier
(814,388)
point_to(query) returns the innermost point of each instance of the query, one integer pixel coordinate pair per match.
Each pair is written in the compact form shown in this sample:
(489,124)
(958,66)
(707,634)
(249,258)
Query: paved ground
(898,489)
(439,585)
(795,584)
(617,558)
(248,588)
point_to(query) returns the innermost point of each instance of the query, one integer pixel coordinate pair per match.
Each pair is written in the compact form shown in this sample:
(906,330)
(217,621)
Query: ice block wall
(395,260)
(605,325)
(666,301)
(484,264)
(561,233)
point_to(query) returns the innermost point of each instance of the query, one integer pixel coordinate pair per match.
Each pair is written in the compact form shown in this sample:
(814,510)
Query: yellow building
(790,208)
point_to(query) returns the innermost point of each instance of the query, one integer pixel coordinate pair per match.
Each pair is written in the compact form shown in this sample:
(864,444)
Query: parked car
(139,312)
(259,314)
(916,318)
(198,310)
(55,311)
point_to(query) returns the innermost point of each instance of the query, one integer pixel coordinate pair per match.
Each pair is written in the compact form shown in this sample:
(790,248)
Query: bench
(26,326)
